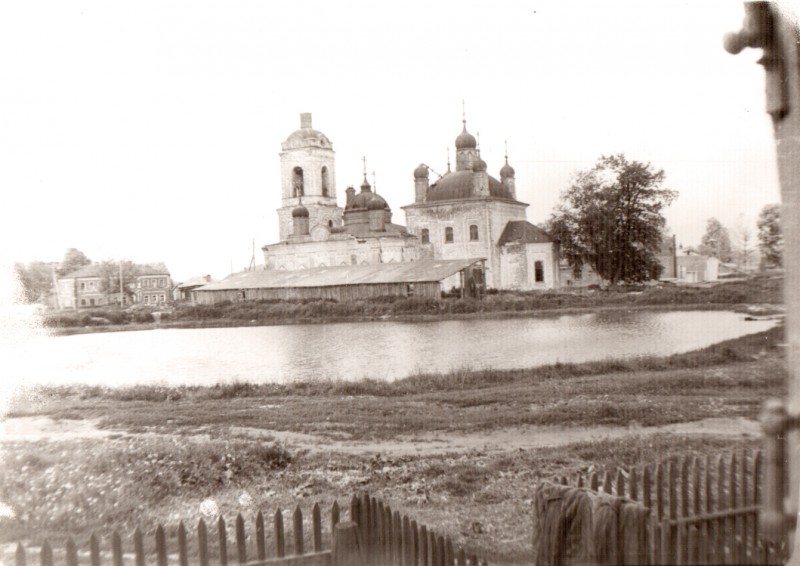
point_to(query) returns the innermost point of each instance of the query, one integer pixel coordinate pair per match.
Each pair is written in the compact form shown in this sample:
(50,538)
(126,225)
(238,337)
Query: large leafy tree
(770,234)
(716,241)
(611,219)
(36,280)
(73,260)
(112,270)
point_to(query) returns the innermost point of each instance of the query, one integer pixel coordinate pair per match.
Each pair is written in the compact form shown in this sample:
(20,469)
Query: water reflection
(379,350)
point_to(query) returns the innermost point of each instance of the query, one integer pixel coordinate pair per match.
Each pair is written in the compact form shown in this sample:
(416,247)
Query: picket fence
(375,535)
(702,511)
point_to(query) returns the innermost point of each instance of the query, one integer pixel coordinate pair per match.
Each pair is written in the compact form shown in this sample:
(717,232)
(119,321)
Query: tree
(110,271)
(770,234)
(743,243)
(36,280)
(610,218)
(73,260)
(716,241)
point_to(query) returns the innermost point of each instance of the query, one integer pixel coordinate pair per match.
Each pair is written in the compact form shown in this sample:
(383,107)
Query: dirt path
(37,428)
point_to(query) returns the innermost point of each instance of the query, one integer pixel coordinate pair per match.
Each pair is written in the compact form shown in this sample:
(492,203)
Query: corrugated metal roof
(402,272)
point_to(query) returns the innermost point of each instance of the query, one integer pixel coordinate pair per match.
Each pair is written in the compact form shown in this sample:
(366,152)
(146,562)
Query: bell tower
(308,177)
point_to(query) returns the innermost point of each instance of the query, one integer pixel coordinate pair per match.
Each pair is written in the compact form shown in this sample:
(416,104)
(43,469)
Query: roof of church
(523,232)
(428,270)
(458,185)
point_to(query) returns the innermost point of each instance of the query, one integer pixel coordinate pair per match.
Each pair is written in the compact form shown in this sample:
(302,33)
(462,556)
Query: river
(351,351)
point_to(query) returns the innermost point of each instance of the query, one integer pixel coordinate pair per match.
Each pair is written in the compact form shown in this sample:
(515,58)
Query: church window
(473,232)
(91,302)
(146,299)
(330,223)
(297,182)
(83,286)
(83,302)
(448,235)
(324,181)
(426,236)
(538,271)
(353,259)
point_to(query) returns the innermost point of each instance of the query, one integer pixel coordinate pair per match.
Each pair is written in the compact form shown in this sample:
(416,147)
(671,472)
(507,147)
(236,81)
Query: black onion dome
(465,140)
(458,185)
(300,212)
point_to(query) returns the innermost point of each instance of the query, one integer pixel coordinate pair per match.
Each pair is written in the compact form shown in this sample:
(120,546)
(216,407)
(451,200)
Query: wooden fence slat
(668,546)
(161,546)
(442,550)
(705,548)
(405,540)
(316,527)
(46,554)
(461,559)
(733,523)
(620,487)
(297,531)
(719,526)
(696,534)
(388,534)
(116,549)
(183,556)
(449,555)
(436,559)
(355,509)
(658,502)
(222,538)
(607,482)
(94,550)
(72,553)
(633,485)
(241,541)
(758,549)
(335,513)
(744,498)
(414,544)
(646,491)
(365,519)
(593,481)
(138,547)
(682,535)
(280,540)
(397,536)
(379,553)
(202,543)
(579,480)
(19,555)
(375,532)
(423,546)
(261,542)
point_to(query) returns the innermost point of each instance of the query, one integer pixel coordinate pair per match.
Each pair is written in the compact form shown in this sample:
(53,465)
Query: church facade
(314,230)
(468,213)
(464,214)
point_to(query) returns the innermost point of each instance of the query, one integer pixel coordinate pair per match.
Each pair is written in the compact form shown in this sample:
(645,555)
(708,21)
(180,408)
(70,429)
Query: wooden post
(261,548)
(347,547)
(241,541)
(222,537)
(202,544)
(280,548)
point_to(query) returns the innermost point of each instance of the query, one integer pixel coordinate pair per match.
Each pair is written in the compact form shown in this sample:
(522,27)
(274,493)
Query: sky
(150,130)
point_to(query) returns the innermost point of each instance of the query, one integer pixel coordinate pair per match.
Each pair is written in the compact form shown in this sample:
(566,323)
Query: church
(463,214)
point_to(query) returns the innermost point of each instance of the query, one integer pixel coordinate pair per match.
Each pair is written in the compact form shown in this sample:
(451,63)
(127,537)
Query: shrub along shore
(763,289)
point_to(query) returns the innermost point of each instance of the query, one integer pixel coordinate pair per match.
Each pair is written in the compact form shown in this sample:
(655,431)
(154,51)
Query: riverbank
(459,451)
(760,295)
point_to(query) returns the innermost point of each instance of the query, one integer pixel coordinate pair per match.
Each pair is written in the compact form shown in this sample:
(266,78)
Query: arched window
(324,181)
(538,271)
(330,223)
(426,236)
(297,182)
(473,232)
(448,235)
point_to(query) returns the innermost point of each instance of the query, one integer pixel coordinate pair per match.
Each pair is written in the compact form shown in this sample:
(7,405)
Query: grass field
(460,452)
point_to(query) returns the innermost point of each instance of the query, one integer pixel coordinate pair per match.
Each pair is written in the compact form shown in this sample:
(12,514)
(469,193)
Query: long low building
(424,278)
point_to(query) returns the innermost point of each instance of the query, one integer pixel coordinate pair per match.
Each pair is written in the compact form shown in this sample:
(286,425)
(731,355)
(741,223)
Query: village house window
(91,302)
(426,236)
(448,235)
(83,302)
(538,271)
(147,299)
(161,282)
(473,232)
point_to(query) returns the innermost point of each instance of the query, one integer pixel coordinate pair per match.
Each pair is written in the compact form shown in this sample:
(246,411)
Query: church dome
(367,200)
(300,212)
(479,165)
(307,136)
(465,140)
(506,171)
(421,172)
(458,185)
(376,203)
